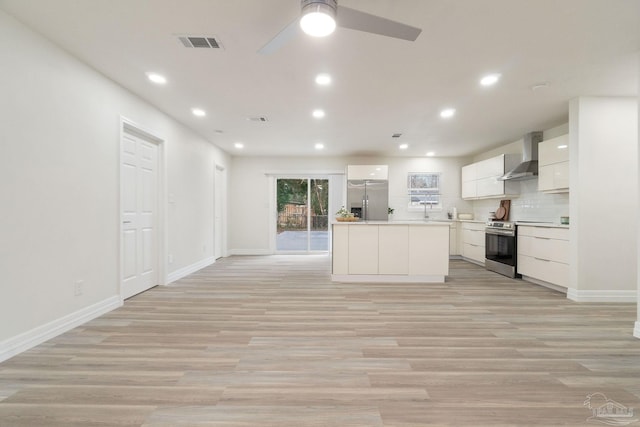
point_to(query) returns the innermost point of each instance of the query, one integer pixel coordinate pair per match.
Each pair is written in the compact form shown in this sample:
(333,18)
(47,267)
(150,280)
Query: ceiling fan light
(318,19)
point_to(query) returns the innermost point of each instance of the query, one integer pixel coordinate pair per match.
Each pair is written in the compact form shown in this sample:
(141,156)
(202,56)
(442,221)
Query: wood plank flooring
(271,341)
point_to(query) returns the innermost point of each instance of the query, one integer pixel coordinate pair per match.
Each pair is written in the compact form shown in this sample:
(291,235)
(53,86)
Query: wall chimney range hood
(528,168)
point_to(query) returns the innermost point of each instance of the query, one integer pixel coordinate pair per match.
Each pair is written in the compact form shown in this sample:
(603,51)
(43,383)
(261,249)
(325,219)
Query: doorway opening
(302,215)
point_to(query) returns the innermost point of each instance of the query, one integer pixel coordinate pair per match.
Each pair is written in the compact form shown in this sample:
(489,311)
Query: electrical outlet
(78,288)
(170,258)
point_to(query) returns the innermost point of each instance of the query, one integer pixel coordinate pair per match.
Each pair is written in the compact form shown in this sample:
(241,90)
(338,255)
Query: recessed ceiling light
(403,146)
(157,78)
(563,146)
(447,113)
(239,145)
(431,154)
(323,79)
(319,146)
(198,112)
(318,114)
(490,79)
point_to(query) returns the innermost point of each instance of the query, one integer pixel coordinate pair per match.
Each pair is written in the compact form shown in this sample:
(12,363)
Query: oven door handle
(500,232)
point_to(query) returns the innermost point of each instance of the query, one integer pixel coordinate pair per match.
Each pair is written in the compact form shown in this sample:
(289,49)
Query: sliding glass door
(302,221)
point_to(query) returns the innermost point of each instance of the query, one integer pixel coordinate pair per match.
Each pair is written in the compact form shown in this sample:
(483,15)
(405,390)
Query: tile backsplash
(530,205)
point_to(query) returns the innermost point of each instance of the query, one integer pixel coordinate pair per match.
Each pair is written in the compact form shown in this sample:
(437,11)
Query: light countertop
(398,222)
(542,224)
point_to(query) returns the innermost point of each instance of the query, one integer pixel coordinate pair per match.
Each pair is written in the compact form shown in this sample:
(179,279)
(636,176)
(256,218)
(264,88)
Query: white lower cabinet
(473,241)
(363,250)
(426,254)
(415,252)
(340,245)
(543,254)
(393,253)
(453,239)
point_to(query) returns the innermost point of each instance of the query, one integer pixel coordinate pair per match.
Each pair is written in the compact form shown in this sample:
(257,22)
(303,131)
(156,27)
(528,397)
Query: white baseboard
(602,295)
(40,334)
(636,330)
(185,271)
(248,252)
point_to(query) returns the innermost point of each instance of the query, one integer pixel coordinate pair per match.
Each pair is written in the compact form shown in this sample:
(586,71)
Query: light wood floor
(270,341)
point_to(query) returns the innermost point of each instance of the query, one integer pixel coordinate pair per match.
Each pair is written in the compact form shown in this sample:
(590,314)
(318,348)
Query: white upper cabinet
(368,172)
(469,190)
(480,179)
(553,165)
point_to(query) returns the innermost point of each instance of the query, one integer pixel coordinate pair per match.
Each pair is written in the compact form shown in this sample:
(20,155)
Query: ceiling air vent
(257,119)
(396,135)
(201,42)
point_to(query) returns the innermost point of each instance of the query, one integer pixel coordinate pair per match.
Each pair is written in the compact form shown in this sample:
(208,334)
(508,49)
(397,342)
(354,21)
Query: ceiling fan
(320,17)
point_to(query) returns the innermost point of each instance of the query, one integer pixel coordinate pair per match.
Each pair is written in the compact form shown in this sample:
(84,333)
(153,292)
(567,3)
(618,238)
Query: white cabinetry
(473,241)
(469,190)
(543,254)
(426,254)
(368,172)
(553,165)
(480,179)
(340,245)
(393,251)
(453,239)
(385,252)
(363,250)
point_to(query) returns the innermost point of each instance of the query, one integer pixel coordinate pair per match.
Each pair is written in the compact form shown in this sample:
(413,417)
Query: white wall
(59,186)
(603,206)
(251,198)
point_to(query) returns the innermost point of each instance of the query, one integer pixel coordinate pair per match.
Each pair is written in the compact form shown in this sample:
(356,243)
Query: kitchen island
(390,251)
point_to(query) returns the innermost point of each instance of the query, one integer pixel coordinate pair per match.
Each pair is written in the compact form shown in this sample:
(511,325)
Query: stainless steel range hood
(529,167)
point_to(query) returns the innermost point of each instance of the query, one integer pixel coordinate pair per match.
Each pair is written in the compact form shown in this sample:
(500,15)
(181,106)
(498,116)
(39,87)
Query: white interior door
(139,202)
(218,212)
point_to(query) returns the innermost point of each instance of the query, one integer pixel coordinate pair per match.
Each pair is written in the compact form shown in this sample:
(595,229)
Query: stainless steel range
(500,247)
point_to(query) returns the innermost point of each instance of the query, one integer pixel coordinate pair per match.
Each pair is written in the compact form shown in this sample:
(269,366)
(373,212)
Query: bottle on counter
(455,213)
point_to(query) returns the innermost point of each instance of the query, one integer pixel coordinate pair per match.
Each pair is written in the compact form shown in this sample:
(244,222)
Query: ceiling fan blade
(282,38)
(362,21)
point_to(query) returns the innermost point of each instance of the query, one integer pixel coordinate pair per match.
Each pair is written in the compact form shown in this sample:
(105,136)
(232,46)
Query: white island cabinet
(378,251)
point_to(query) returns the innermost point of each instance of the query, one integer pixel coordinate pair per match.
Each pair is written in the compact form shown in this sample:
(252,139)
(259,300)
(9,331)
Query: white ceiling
(381,85)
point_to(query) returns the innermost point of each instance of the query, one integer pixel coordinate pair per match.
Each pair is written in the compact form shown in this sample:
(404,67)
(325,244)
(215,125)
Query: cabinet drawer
(473,226)
(474,237)
(543,248)
(548,271)
(545,232)
(473,252)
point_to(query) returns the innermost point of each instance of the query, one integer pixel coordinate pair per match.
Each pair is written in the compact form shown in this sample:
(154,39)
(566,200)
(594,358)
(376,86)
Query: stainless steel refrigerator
(368,199)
